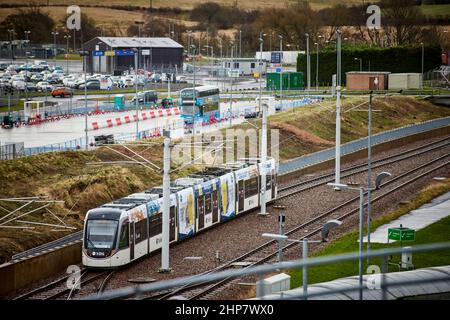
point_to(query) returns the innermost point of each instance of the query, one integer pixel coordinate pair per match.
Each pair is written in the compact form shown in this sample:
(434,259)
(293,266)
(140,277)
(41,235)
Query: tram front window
(100,234)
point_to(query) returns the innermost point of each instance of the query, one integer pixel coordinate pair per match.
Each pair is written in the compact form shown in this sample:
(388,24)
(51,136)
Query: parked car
(62,92)
(91,85)
(44,86)
(37,77)
(31,86)
(181,79)
(18,85)
(146,97)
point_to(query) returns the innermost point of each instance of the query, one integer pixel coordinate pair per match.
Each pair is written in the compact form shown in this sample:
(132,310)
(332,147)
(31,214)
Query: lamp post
(338,112)
(281,71)
(54,33)
(240,43)
(211,57)
(195,93)
(27,33)
(360,63)
(231,81)
(11,38)
(361,190)
(317,66)
(264,130)
(136,101)
(329,225)
(67,37)
(308,62)
(84,54)
(423,63)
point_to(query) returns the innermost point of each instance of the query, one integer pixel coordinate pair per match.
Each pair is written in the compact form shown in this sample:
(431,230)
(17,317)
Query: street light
(281,71)
(136,101)
(317,66)
(27,33)
(423,63)
(11,38)
(231,81)
(380,177)
(308,62)
(281,238)
(338,110)
(195,92)
(360,63)
(54,33)
(240,43)
(264,129)
(67,37)
(211,57)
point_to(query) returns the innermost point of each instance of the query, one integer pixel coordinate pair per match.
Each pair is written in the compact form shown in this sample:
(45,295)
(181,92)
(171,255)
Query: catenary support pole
(166,205)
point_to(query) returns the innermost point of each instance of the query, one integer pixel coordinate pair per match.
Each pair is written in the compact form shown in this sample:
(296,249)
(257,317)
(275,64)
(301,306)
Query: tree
(29,19)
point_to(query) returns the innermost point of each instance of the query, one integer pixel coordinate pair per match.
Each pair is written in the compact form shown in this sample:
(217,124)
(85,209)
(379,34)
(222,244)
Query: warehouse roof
(135,42)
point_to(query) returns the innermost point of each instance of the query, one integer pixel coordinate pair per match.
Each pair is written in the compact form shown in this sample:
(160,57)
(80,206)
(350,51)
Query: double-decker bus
(201,102)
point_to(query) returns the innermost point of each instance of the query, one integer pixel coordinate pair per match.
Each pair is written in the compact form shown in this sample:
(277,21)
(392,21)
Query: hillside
(68,176)
(248,4)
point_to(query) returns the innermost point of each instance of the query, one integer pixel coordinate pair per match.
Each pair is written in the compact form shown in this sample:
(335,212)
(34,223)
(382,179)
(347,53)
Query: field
(248,4)
(436,10)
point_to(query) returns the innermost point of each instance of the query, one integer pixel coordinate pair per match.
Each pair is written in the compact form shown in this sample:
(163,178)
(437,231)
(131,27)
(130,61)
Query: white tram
(126,229)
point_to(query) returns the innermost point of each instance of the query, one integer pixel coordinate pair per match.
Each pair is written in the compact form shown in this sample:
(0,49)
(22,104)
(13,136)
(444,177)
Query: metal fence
(261,270)
(354,146)
(11,151)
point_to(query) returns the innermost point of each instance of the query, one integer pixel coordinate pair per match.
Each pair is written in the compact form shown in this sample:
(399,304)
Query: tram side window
(251,187)
(141,230)
(124,237)
(156,225)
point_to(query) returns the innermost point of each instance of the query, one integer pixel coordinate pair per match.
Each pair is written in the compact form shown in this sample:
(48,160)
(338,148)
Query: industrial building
(246,66)
(367,80)
(288,57)
(116,54)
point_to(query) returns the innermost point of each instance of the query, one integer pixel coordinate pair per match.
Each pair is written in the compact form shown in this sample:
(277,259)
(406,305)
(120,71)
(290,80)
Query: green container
(291,81)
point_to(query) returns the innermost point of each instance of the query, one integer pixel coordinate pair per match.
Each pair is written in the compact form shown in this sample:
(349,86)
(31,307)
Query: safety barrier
(360,144)
(142,116)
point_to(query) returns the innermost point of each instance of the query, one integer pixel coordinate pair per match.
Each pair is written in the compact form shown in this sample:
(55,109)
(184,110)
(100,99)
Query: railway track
(60,289)
(295,188)
(284,192)
(311,228)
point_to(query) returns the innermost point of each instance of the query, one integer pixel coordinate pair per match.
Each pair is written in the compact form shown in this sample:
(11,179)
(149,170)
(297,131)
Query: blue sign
(98,53)
(198,102)
(276,57)
(124,52)
(278,70)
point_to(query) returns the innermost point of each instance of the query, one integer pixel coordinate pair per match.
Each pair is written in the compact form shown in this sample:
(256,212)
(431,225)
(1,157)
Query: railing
(261,270)
(360,144)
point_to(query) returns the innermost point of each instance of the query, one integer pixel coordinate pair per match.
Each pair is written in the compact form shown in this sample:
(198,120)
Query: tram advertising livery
(124,230)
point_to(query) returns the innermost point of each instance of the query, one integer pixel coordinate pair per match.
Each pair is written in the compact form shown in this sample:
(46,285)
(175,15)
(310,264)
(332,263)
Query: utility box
(119,102)
(274,284)
(291,81)
(406,262)
(399,81)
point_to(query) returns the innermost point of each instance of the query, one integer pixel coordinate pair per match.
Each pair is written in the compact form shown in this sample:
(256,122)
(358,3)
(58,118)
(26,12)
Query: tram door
(172,223)
(201,212)
(132,229)
(274,184)
(241,196)
(215,203)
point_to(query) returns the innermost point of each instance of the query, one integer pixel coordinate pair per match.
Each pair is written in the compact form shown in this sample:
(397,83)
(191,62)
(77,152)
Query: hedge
(395,60)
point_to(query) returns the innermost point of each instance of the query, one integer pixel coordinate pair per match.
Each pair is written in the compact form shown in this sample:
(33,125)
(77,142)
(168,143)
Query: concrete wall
(399,81)
(16,275)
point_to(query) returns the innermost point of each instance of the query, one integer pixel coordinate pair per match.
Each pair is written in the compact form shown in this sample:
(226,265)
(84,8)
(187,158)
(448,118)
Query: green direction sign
(403,234)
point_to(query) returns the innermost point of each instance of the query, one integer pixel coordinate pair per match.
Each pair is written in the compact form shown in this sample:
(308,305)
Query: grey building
(154,54)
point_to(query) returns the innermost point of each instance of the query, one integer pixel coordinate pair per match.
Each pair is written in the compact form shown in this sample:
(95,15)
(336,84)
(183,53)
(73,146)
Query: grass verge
(436,232)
